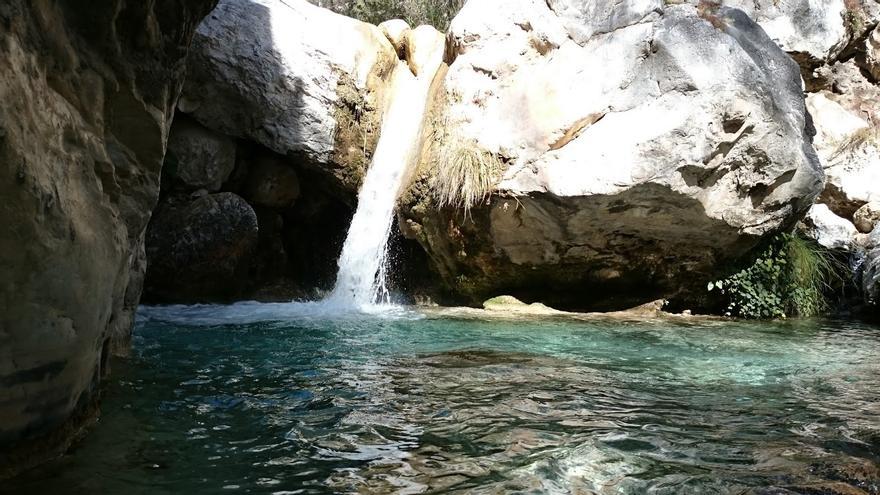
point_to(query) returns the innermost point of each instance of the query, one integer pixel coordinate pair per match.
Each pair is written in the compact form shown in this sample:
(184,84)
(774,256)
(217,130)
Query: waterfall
(360,281)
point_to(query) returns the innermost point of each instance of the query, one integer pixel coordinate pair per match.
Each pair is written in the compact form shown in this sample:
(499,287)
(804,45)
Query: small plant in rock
(791,277)
(464,174)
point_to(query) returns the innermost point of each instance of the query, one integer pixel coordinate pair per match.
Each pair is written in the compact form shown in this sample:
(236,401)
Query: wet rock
(198,250)
(198,157)
(86,100)
(293,77)
(828,229)
(510,304)
(622,188)
(871,277)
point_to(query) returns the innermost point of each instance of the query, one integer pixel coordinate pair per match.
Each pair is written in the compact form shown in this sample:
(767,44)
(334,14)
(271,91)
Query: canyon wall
(88,91)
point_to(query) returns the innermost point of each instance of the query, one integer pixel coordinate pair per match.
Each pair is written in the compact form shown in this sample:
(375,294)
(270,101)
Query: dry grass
(465,175)
(869,135)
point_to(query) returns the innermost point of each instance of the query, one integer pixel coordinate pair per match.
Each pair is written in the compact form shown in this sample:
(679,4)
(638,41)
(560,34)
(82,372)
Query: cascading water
(360,281)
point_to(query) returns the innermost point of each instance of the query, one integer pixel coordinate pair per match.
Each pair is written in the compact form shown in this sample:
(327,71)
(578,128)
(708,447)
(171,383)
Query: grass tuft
(465,175)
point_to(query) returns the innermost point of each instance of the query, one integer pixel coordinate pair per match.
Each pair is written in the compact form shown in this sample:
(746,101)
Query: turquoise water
(281,399)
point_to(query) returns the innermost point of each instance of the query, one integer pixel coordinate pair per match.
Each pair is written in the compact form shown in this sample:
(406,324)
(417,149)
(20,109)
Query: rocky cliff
(87,92)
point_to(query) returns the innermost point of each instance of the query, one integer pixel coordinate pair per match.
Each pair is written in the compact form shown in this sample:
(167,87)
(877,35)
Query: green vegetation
(437,13)
(465,174)
(791,277)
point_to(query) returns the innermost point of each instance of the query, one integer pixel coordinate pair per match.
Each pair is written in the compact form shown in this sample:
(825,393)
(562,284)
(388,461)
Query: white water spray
(360,281)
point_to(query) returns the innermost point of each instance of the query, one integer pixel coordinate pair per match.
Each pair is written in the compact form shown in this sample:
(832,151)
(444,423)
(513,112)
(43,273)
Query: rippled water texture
(304,403)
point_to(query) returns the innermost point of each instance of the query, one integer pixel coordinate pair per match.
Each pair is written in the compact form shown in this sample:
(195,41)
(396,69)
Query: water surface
(286,399)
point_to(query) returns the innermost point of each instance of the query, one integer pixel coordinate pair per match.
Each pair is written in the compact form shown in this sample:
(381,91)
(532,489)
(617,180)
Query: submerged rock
(293,77)
(643,148)
(86,98)
(199,250)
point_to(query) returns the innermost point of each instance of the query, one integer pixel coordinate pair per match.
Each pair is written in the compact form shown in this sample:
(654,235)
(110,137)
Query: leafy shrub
(791,277)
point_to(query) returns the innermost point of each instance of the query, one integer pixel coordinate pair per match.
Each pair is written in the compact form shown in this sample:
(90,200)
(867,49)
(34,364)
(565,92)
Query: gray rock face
(199,249)
(85,107)
(199,157)
(828,229)
(641,158)
(293,77)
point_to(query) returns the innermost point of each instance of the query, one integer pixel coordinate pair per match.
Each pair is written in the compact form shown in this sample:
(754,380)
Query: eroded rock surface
(645,149)
(86,100)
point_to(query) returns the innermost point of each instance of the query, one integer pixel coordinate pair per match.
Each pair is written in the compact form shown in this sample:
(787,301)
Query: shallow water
(287,399)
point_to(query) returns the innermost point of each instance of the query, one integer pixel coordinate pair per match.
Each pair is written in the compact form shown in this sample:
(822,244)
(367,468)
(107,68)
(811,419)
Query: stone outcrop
(87,94)
(198,250)
(295,78)
(637,159)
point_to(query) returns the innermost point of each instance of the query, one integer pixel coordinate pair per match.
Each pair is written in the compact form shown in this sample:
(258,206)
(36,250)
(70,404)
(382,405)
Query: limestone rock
(272,183)
(638,158)
(293,77)
(828,229)
(85,107)
(817,30)
(867,217)
(395,30)
(848,145)
(420,48)
(872,54)
(198,157)
(199,250)
(510,304)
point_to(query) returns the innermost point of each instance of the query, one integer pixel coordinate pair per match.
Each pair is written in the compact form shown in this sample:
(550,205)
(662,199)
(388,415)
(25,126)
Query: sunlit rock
(293,77)
(640,153)
(828,229)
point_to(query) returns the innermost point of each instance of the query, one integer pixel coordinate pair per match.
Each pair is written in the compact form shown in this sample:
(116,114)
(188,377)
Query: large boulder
(86,100)
(295,78)
(644,146)
(811,30)
(198,157)
(199,250)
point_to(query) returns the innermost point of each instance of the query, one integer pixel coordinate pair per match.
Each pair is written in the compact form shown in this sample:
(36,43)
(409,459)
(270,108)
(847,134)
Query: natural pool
(284,399)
